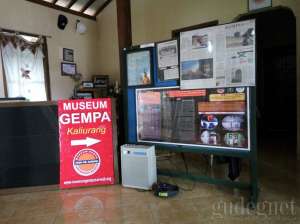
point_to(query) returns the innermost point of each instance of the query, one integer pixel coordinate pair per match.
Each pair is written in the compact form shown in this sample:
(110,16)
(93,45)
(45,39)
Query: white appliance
(138,166)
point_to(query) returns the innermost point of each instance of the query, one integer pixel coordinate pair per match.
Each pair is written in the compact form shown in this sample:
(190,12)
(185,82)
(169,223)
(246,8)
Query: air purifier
(138,166)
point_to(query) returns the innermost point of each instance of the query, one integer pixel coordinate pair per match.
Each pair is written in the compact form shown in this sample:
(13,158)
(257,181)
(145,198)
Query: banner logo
(86,162)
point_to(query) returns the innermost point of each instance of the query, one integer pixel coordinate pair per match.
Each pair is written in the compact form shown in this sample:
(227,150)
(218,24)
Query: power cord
(186,171)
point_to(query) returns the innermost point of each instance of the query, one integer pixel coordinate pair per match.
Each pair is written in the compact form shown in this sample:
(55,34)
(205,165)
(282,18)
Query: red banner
(186,93)
(85,136)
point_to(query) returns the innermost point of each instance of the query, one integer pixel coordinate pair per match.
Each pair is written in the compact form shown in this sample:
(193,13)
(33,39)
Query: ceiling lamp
(80,27)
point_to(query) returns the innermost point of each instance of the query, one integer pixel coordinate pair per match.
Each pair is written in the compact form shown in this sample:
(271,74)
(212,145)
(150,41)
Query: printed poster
(220,56)
(167,59)
(139,68)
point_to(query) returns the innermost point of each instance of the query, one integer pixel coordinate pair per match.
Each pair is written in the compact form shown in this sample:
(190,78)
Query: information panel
(86,149)
(219,56)
(167,60)
(217,118)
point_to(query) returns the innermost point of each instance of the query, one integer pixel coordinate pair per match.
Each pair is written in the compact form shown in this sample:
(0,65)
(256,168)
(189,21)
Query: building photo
(149,111)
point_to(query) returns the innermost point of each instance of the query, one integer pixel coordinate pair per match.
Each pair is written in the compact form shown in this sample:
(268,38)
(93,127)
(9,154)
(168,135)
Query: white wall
(25,16)
(153,20)
(108,47)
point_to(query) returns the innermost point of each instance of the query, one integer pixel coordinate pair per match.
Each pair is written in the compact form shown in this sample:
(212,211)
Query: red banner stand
(86,147)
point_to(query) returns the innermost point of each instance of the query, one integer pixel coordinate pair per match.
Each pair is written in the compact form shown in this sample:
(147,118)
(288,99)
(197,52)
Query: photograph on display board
(223,119)
(197,69)
(240,38)
(204,117)
(200,41)
(220,56)
(139,68)
(167,60)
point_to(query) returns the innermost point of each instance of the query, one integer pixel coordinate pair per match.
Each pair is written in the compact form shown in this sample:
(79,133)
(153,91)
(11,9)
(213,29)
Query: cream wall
(108,47)
(25,16)
(153,20)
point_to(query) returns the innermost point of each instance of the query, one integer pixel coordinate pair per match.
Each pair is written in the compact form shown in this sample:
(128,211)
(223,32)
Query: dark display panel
(208,117)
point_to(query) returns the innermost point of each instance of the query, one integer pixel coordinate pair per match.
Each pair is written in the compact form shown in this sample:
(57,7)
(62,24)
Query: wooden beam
(102,7)
(71,3)
(124,30)
(60,8)
(54,2)
(87,5)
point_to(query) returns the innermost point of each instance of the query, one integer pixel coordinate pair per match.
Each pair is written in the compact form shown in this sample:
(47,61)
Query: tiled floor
(279,200)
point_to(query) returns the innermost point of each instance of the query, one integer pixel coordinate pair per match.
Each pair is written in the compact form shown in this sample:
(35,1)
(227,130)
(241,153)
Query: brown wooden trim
(175,33)
(71,3)
(102,7)
(87,5)
(124,30)
(46,69)
(60,8)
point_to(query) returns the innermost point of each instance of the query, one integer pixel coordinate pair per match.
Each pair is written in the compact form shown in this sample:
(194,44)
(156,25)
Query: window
(23,65)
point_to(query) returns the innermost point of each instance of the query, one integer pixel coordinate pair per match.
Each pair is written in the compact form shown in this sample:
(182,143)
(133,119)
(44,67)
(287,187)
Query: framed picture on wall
(68,55)
(258,4)
(101,81)
(84,95)
(68,69)
(139,67)
(87,84)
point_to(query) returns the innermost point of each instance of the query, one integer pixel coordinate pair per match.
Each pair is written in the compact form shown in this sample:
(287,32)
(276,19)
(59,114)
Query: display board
(219,56)
(167,60)
(216,118)
(213,108)
(85,136)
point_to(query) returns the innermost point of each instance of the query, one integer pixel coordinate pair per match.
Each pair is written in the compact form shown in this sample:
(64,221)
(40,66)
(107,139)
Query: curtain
(24,70)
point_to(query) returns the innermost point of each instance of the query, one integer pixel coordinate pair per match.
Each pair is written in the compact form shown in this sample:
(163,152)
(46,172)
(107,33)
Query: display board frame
(130,122)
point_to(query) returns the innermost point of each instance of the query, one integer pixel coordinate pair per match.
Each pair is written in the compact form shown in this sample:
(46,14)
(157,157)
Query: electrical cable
(187,172)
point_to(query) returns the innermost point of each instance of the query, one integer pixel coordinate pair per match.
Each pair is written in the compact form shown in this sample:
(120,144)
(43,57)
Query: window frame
(45,63)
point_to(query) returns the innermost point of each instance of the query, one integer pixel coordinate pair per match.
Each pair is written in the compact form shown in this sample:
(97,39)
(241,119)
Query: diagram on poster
(221,56)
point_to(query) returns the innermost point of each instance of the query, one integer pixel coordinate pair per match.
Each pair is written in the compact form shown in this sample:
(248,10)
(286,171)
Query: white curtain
(24,72)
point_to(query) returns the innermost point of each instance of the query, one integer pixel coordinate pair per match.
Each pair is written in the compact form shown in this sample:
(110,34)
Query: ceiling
(84,8)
